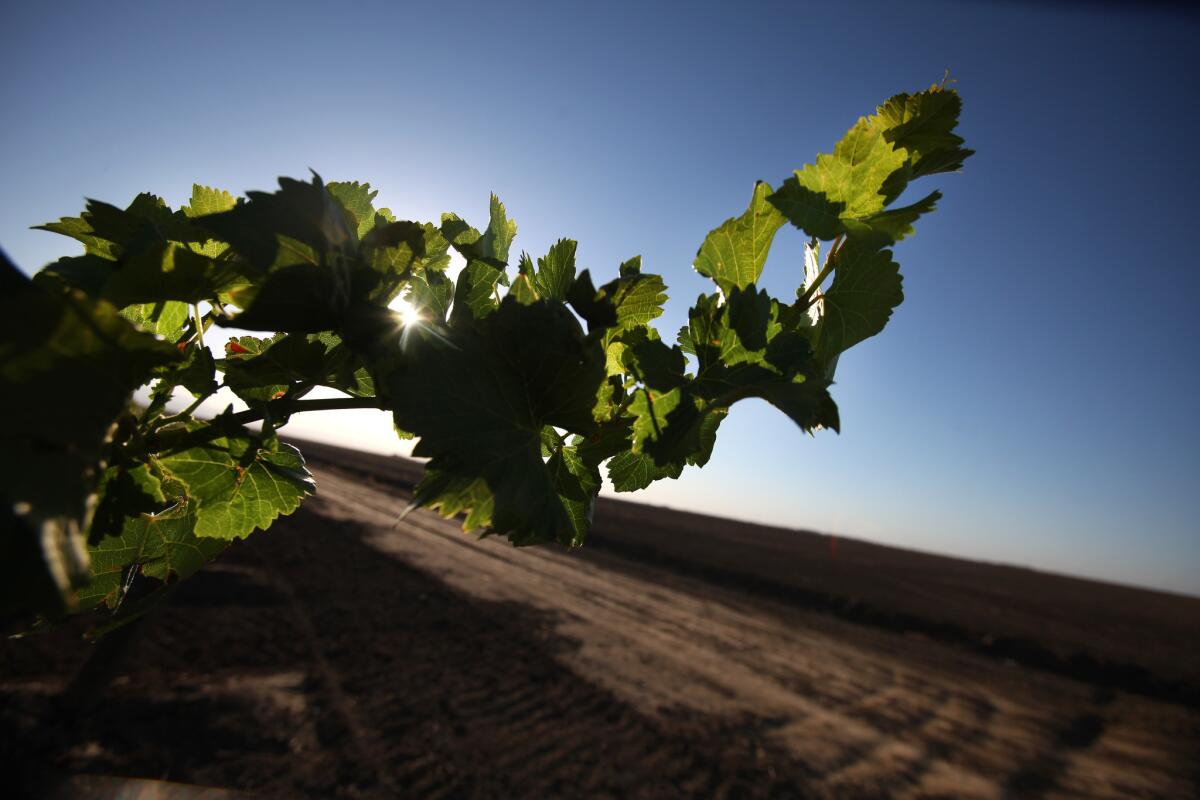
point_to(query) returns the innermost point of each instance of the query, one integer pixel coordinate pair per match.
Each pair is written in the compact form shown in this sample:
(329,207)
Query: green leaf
(479,397)
(251,379)
(650,360)
(260,370)
(52,347)
(238,483)
(783,372)
(162,546)
(475,292)
(300,223)
(400,251)
(524,286)
(453,495)
(659,415)
(849,184)
(631,471)
(56,347)
(109,232)
(749,313)
(196,373)
(305,298)
(847,192)
(595,307)
(553,278)
(158,254)
(724,336)
(805,401)
(556,272)
(87,273)
(733,254)
(126,490)
(923,125)
(577,483)
(206,200)
(80,229)
(461,236)
(675,428)
(357,198)
(432,295)
(890,226)
(866,287)
(496,240)
(636,298)
(165,318)
(167,271)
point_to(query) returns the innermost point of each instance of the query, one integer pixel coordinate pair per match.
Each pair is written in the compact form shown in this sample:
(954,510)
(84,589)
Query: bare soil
(345,655)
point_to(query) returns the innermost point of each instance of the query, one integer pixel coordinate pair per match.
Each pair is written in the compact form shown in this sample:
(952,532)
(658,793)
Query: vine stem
(187,412)
(283,406)
(287,406)
(199,322)
(807,298)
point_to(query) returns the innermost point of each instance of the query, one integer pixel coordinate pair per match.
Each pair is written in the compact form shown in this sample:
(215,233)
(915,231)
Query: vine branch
(286,406)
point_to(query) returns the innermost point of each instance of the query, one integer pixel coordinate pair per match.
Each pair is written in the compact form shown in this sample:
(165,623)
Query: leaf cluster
(522,386)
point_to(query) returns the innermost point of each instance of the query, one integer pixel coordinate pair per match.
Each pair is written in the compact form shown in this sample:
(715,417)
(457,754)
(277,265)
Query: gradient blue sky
(1034,400)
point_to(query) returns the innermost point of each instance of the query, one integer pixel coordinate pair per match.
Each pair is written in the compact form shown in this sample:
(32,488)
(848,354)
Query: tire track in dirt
(858,707)
(344,705)
(530,728)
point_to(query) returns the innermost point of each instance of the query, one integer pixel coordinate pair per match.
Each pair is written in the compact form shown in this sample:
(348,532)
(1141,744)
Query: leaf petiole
(199,323)
(808,298)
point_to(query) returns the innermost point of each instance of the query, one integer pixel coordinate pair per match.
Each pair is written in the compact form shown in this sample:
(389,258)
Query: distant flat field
(345,654)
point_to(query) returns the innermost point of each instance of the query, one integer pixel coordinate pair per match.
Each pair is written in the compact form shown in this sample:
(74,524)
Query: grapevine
(519,386)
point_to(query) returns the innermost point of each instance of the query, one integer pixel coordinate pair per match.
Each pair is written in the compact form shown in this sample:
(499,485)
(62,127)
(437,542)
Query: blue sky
(1033,400)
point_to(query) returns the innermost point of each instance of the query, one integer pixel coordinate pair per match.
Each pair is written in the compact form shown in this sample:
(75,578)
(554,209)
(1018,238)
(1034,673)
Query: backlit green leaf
(859,302)
(479,398)
(733,255)
(238,483)
(162,546)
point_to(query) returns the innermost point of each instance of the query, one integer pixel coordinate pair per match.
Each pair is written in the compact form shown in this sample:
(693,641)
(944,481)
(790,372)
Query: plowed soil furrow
(345,655)
(841,702)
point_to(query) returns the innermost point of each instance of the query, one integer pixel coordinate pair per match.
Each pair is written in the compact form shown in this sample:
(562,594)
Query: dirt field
(342,655)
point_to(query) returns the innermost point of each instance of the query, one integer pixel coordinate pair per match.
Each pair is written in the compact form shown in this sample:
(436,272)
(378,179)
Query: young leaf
(357,199)
(923,124)
(475,292)
(637,299)
(206,200)
(847,192)
(165,318)
(556,272)
(849,184)
(631,471)
(400,251)
(733,254)
(496,240)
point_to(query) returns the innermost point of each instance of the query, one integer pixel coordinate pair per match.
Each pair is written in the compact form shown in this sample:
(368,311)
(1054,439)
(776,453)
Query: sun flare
(409,314)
